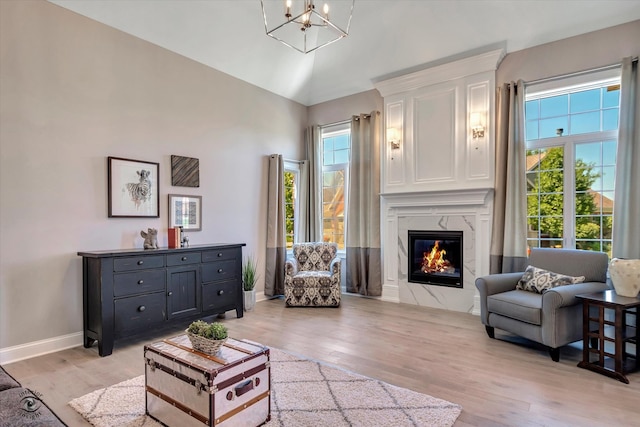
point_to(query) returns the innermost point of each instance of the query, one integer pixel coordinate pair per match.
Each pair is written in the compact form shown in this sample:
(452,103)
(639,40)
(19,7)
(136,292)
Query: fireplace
(435,257)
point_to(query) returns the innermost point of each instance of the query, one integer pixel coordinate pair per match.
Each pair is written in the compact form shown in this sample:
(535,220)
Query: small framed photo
(133,188)
(185,211)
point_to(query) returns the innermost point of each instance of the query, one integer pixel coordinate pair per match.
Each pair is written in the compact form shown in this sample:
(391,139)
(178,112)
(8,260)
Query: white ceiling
(386,38)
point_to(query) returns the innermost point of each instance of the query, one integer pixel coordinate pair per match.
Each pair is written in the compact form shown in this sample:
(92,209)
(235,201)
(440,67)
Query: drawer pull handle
(219,254)
(142,308)
(221,292)
(140,262)
(184,258)
(219,270)
(169,293)
(140,282)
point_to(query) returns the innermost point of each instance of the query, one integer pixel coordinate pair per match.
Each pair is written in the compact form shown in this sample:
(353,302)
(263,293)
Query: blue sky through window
(592,110)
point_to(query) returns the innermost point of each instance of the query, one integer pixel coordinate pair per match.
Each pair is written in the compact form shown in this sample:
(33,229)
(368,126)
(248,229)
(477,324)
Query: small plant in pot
(207,337)
(249,279)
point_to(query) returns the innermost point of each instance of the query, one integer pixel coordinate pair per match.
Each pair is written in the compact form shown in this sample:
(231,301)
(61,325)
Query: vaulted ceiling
(386,38)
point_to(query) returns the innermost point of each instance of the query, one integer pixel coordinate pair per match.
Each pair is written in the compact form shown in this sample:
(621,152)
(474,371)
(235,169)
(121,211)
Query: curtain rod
(366,116)
(294,161)
(344,122)
(577,73)
(341,122)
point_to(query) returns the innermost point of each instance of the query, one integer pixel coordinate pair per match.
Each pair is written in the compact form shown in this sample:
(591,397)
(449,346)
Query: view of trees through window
(571,155)
(290,181)
(335,166)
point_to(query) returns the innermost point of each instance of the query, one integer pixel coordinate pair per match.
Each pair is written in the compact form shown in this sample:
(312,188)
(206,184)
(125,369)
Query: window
(571,138)
(291,183)
(336,145)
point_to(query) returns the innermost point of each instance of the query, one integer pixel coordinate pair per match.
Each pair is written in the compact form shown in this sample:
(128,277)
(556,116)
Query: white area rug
(304,393)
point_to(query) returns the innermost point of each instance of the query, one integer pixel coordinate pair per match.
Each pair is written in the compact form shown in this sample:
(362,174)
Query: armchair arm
(335,266)
(494,284)
(563,296)
(290,267)
(497,283)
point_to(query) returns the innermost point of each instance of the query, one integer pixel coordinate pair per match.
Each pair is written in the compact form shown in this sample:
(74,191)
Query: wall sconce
(477,127)
(393,136)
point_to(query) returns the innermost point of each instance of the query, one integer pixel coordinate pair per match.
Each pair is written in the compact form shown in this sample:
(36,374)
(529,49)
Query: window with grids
(336,145)
(571,138)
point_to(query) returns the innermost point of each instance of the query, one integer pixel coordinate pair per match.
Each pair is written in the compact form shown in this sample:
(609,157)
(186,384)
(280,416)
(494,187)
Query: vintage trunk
(185,387)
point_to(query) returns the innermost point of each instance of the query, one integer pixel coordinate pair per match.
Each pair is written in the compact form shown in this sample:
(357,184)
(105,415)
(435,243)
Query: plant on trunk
(214,331)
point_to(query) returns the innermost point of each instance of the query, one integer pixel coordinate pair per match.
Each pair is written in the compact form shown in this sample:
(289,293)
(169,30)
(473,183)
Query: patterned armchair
(312,277)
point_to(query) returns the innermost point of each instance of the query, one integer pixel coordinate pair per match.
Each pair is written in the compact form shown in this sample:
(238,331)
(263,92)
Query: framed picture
(133,188)
(185,171)
(185,212)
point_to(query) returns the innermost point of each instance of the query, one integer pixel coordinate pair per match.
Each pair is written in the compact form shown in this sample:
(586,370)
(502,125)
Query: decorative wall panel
(434,136)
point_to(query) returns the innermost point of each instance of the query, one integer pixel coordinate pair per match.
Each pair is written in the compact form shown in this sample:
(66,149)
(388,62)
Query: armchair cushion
(519,305)
(539,280)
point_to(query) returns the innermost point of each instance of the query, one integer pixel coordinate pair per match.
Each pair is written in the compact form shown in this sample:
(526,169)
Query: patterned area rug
(304,393)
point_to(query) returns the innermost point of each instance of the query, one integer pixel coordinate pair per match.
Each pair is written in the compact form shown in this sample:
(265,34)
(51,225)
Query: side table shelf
(607,339)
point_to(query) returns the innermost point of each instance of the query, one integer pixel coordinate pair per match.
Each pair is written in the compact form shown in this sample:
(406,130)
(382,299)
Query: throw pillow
(538,280)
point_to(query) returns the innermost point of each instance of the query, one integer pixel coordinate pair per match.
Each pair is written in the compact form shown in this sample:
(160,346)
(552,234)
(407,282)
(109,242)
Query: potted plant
(249,279)
(207,337)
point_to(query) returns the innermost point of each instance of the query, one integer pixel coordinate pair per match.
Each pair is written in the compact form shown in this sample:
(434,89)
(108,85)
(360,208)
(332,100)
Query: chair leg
(555,354)
(490,331)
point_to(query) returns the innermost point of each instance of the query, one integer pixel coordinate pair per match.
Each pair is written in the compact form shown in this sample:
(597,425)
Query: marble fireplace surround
(469,211)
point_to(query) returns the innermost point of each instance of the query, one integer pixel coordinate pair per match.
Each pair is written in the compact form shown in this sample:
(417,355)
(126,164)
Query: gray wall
(343,108)
(584,52)
(73,92)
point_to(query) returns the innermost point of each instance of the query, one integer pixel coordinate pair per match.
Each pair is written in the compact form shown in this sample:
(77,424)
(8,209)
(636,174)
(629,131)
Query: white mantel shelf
(464,197)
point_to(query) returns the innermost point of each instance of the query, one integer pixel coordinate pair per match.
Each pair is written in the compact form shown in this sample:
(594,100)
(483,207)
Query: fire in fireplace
(435,257)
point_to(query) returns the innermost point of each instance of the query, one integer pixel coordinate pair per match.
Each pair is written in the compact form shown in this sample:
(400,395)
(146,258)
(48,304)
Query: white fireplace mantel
(469,211)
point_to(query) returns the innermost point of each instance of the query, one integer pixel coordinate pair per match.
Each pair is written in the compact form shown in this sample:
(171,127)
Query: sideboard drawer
(138,263)
(219,294)
(218,270)
(138,313)
(220,255)
(183,259)
(138,282)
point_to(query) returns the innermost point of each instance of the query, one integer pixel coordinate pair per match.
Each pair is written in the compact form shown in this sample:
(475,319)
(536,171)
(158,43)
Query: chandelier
(299,25)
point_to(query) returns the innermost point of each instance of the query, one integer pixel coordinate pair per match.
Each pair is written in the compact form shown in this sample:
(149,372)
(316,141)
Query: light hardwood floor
(441,353)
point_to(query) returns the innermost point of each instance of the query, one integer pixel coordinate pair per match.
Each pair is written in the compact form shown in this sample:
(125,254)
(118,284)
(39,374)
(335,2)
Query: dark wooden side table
(601,334)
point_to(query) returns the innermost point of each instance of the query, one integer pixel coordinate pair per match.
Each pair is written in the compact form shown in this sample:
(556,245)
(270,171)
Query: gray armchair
(552,318)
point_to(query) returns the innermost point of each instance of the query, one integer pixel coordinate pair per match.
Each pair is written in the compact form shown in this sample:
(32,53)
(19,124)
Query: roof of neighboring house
(534,159)
(604,203)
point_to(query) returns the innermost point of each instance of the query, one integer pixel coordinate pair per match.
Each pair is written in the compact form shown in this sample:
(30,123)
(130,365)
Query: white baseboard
(38,348)
(476,305)
(51,345)
(390,293)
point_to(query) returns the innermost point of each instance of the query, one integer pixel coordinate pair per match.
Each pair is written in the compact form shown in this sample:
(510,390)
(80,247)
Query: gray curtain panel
(509,231)
(276,244)
(310,203)
(364,271)
(626,206)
